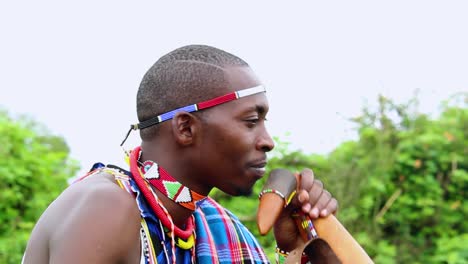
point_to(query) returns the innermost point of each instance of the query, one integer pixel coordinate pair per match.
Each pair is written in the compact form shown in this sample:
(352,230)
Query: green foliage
(428,172)
(402,186)
(452,250)
(34,168)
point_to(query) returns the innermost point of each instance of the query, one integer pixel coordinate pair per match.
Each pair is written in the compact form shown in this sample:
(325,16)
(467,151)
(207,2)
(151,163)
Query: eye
(251,122)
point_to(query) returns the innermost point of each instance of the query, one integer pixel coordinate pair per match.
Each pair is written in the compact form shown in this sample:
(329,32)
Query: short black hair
(185,76)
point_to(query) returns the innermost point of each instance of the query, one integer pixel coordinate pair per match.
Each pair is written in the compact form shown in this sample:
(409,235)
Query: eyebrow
(260,109)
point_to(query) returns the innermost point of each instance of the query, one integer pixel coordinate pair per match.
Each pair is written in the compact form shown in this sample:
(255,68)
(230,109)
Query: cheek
(233,144)
(239,150)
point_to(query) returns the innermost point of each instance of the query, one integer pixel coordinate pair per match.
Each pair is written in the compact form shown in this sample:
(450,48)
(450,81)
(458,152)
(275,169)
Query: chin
(243,192)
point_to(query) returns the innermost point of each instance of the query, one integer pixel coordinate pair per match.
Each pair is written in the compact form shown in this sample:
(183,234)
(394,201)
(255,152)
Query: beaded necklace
(170,187)
(158,208)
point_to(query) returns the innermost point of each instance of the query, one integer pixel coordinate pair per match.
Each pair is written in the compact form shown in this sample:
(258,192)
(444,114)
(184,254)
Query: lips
(258,167)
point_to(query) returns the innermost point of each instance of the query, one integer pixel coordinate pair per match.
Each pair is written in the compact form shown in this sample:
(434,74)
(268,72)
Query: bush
(402,186)
(34,168)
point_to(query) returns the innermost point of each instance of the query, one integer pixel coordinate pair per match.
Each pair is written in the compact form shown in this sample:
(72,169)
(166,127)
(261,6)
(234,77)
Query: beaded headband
(195,107)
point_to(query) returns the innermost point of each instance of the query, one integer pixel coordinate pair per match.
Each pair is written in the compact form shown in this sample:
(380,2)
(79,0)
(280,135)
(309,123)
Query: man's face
(234,138)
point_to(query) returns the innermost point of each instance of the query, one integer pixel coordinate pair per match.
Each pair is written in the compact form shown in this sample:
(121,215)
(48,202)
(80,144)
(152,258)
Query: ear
(185,128)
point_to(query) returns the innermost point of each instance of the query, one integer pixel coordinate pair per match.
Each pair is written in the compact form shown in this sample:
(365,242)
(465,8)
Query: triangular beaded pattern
(151,170)
(169,186)
(184,196)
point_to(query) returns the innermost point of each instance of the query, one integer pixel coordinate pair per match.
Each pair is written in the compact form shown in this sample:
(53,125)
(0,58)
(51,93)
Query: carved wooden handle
(329,229)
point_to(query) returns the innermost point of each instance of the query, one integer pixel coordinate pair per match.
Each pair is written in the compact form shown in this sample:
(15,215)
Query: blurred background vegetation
(402,184)
(34,168)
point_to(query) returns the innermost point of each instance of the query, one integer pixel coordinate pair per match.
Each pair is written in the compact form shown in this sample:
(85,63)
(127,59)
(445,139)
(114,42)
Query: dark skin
(94,216)
(224,148)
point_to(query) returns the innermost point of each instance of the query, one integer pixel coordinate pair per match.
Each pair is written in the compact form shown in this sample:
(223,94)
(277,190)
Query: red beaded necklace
(169,186)
(159,210)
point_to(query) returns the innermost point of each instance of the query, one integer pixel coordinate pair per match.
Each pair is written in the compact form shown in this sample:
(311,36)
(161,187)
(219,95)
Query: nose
(265,143)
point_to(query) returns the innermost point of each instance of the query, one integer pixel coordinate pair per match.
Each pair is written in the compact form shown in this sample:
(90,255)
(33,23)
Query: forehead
(239,78)
(253,104)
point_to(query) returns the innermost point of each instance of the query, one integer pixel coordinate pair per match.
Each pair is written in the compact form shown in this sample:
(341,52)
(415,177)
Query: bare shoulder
(92,221)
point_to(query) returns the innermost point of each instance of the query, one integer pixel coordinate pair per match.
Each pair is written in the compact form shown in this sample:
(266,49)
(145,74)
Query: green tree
(34,168)
(402,185)
(415,181)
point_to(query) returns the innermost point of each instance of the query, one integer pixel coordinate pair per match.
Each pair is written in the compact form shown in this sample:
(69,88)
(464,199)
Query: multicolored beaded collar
(170,187)
(153,201)
(195,107)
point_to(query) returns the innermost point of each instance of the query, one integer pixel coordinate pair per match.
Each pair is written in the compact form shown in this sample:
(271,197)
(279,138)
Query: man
(202,115)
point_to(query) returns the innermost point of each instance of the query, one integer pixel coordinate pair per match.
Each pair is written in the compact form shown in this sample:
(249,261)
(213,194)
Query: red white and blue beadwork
(195,107)
(200,106)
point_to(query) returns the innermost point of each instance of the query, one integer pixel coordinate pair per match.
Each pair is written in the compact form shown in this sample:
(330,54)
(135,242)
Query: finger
(320,204)
(315,192)
(303,201)
(330,208)
(306,179)
(323,200)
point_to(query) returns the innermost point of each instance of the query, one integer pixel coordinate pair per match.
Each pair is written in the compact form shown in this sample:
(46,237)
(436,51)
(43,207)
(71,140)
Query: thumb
(304,182)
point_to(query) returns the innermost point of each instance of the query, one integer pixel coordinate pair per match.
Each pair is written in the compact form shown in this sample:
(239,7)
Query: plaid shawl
(222,238)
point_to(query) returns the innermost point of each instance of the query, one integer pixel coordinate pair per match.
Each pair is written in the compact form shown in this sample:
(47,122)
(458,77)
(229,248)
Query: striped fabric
(222,238)
(155,243)
(219,235)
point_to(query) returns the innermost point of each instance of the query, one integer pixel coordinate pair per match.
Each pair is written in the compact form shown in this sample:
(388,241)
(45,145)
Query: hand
(311,199)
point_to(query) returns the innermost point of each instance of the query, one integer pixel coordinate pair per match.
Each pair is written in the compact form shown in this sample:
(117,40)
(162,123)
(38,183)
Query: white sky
(76,66)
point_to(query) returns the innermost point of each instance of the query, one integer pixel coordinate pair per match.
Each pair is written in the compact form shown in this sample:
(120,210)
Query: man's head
(224,146)
(187,75)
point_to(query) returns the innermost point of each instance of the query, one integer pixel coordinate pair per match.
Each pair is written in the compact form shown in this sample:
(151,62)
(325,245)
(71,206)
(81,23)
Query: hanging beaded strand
(153,201)
(179,242)
(162,213)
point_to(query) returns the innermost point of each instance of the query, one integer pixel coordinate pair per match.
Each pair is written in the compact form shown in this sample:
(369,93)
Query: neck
(165,158)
